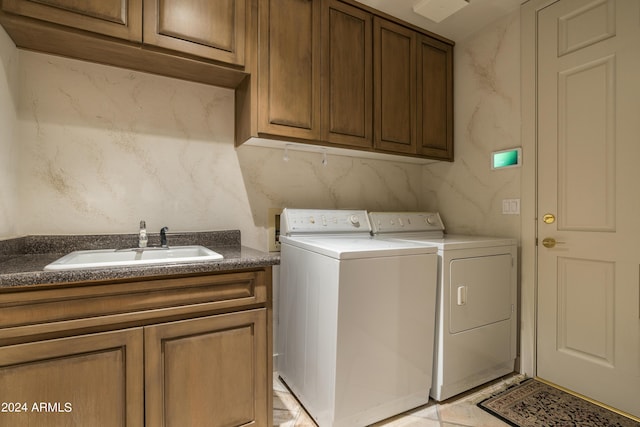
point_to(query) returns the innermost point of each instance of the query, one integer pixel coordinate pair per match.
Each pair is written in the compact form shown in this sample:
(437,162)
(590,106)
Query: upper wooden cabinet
(209,29)
(434,104)
(337,73)
(395,87)
(115,18)
(197,40)
(347,82)
(413,81)
(289,68)
(313,70)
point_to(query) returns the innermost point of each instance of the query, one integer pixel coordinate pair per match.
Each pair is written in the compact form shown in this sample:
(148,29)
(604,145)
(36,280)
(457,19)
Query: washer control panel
(396,222)
(319,221)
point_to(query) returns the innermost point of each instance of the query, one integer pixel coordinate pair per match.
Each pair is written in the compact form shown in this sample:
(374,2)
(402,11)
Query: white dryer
(356,336)
(476,313)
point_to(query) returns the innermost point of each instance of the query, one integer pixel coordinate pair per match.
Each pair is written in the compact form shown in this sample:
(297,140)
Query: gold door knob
(550,242)
(549,218)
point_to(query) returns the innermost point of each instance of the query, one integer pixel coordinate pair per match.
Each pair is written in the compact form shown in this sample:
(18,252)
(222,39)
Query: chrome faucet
(163,236)
(142,235)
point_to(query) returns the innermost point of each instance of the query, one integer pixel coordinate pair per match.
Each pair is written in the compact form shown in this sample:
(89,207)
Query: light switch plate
(511,206)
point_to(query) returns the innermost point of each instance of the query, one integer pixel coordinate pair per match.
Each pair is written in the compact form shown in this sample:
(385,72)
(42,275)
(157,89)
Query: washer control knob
(354,219)
(431,220)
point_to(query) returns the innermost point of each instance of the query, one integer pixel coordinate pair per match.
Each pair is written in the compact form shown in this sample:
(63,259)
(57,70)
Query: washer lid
(354,247)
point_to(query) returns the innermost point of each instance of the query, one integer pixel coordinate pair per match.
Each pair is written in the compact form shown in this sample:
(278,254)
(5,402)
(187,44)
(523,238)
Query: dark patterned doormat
(534,403)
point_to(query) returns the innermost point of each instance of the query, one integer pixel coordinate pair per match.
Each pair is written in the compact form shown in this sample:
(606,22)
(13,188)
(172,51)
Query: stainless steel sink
(124,257)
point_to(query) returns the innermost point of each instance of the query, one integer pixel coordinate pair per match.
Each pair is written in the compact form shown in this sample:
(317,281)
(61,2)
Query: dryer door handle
(462,295)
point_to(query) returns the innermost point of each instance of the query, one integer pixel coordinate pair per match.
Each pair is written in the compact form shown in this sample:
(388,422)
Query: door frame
(529,189)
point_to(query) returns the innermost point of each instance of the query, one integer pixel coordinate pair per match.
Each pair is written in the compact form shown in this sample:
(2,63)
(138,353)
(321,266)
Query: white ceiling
(457,27)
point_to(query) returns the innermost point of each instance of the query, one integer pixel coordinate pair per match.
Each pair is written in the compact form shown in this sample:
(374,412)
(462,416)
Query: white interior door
(588,337)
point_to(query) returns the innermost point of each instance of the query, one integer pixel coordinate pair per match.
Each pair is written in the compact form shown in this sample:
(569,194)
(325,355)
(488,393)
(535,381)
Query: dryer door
(480,291)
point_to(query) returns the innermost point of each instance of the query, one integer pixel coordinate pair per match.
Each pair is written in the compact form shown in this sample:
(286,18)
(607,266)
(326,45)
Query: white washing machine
(476,313)
(356,318)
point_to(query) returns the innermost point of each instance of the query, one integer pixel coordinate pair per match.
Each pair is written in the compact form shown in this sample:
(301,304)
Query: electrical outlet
(273,229)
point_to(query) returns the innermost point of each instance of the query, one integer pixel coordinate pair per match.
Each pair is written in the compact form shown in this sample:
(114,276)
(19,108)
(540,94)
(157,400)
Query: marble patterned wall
(8,143)
(103,147)
(99,148)
(487,118)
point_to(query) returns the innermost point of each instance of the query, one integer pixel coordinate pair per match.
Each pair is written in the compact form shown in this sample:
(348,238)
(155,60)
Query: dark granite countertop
(22,260)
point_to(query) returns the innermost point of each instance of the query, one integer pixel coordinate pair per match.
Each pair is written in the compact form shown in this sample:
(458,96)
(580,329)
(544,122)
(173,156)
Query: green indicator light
(506,158)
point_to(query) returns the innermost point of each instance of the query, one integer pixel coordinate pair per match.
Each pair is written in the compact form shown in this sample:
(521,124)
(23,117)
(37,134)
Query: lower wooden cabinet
(88,380)
(207,372)
(160,352)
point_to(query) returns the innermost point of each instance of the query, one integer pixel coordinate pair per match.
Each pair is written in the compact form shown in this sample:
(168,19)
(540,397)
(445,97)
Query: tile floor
(460,411)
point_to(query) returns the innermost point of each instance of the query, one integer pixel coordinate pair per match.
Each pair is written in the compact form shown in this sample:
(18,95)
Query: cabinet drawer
(139,300)
(115,18)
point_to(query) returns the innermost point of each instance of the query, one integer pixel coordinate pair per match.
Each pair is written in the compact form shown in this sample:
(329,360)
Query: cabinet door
(347,85)
(289,68)
(394,87)
(435,99)
(209,371)
(88,380)
(208,29)
(115,18)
